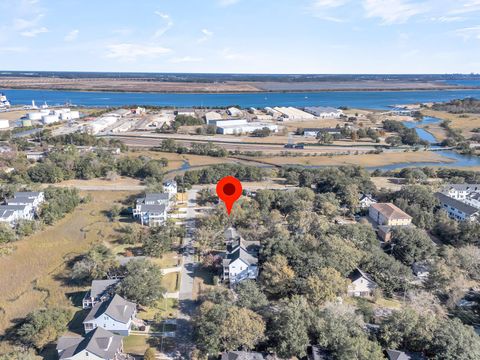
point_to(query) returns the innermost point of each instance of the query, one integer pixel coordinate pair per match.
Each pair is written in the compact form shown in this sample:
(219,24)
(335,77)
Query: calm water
(357,99)
(422,133)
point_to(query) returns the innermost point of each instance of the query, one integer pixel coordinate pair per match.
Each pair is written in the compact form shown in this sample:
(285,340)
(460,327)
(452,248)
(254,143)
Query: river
(353,99)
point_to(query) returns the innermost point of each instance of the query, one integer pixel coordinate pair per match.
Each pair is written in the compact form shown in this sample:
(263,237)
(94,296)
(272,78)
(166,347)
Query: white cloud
(131,52)
(469,32)
(321,4)
(207,34)
(33,32)
(447,19)
(393,11)
(227,2)
(13,49)
(168,23)
(186,59)
(72,35)
(467,7)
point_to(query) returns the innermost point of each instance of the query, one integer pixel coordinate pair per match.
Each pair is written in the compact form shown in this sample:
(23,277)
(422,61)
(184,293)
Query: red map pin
(229,189)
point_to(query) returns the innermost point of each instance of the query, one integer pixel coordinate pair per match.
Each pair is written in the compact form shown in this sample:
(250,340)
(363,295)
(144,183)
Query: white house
(366,200)
(16,212)
(170,187)
(458,210)
(101,290)
(7,216)
(116,315)
(241,259)
(98,344)
(361,284)
(33,198)
(152,209)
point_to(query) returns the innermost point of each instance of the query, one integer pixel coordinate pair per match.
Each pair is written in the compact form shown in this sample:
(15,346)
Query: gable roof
(153,208)
(242,355)
(117,308)
(463,187)
(357,274)
(99,287)
(100,342)
(390,211)
(397,355)
(242,254)
(465,208)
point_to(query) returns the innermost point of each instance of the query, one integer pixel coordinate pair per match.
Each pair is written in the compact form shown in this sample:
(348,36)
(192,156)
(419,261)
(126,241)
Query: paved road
(186,303)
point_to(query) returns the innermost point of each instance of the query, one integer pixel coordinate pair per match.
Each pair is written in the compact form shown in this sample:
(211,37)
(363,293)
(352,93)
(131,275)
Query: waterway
(353,99)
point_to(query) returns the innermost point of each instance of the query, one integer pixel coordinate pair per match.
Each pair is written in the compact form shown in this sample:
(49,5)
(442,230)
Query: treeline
(213,174)
(68,163)
(449,175)
(459,106)
(208,149)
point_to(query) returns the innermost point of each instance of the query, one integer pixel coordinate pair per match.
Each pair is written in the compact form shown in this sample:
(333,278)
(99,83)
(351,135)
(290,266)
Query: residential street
(186,303)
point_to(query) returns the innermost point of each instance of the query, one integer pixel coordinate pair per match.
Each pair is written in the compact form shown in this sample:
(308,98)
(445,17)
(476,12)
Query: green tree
(142,284)
(250,296)
(411,244)
(325,286)
(6,234)
(43,326)
(150,354)
(277,276)
(96,264)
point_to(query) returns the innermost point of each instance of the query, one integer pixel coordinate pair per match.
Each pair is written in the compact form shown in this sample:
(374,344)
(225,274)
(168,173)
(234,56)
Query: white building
(152,209)
(241,258)
(211,117)
(361,284)
(116,315)
(33,198)
(388,214)
(233,111)
(171,188)
(366,200)
(458,210)
(4,124)
(100,124)
(292,113)
(50,119)
(185,112)
(324,112)
(247,128)
(98,344)
(12,214)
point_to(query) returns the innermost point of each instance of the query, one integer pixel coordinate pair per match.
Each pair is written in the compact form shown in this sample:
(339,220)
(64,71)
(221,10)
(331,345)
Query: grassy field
(135,344)
(175,161)
(34,275)
(368,160)
(170,282)
(466,124)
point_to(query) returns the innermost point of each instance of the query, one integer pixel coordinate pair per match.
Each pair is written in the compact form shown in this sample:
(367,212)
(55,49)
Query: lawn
(135,344)
(168,260)
(35,274)
(171,282)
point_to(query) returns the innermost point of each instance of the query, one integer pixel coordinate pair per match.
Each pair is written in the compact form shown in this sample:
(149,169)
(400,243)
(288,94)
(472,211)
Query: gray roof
(27,194)
(117,308)
(13,207)
(357,274)
(100,287)
(321,109)
(100,342)
(153,208)
(242,355)
(463,187)
(157,197)
(242,254)
(465,208)
(397,355)
(6,213)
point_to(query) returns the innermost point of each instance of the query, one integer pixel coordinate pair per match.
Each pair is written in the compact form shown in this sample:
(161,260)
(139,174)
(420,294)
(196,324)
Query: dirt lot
(34,274)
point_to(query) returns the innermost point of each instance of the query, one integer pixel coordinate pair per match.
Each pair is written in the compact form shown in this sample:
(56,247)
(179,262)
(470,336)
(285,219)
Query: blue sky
(241,36)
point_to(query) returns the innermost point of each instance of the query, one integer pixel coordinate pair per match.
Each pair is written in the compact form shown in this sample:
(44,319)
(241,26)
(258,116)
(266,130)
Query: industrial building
(234,127)
(212,116)
(100,124)
(50,117)
(228,122)
(292,113)
(233,111)
(324,112)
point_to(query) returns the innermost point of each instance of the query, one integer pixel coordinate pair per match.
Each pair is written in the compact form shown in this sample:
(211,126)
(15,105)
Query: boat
(4,103)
